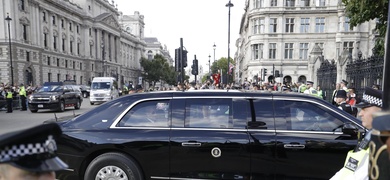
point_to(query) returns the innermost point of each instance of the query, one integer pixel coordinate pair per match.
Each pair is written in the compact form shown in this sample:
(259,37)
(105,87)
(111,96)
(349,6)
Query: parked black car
(212,134)
(85,90)
(55,96)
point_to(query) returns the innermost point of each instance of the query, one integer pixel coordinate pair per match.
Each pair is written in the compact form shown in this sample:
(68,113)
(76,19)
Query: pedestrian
(337,87)
(30,154)
(343,85)
(22,95)
(356,162)
(9,98)
(310,89)
(341,100)
(320,93)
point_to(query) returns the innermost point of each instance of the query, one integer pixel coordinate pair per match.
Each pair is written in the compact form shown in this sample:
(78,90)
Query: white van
(103,89)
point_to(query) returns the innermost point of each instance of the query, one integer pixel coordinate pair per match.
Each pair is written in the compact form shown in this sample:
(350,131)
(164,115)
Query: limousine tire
(113,165)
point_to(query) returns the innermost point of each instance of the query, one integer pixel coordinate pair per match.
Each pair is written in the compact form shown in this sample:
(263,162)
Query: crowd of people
(16,95)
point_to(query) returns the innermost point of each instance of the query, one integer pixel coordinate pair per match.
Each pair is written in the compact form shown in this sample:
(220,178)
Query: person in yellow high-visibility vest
(22,95)
(9,98)
(356,163)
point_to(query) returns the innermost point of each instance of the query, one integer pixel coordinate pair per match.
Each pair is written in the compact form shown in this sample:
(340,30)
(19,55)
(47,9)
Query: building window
(320,3)
(288,50)
(305,25)
(90,31)
(27,56)
(22,5)
(78,29)
(54,20)
(58,77)
(258,26)
(290,3)
(63,44)
(74,65)
(303,50)
(70,26)
(49,77)
(58,62)
(258,3)
(348,46)
(321,45)
(272,50)
(150,55)
(305,3)
(92,67)
(24,32)
(320,25)
(45,40)
(346,25)
(257,51)
(289,25)
(78,48)
(91,50)
(71,47)
(66,63)
(55,42)
(274,3)
(48,60)
(62,23)
(272,25)
(44,16)
(81,66)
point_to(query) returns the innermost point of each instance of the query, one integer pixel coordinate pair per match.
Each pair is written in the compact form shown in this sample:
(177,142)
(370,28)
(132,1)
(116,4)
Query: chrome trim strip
(309,132)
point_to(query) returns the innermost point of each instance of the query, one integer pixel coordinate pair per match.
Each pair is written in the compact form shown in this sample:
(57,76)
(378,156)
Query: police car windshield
(100,85)
(52,88)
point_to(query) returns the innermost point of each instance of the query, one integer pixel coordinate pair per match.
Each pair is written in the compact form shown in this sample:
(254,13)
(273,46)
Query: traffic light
(177,60)
(185,58)
(265,72)
(277,73)
(194,67)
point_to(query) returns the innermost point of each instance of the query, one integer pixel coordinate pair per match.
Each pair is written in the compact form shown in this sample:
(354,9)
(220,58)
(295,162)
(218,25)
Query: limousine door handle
(191,144)
(294,146)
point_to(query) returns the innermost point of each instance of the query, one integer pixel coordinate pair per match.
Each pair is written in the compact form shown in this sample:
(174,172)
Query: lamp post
(209,63)
(214,46)
(229,5)
(10,51)
(102,45)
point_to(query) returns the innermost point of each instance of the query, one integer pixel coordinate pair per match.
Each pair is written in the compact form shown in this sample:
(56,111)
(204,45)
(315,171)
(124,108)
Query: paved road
(24,119)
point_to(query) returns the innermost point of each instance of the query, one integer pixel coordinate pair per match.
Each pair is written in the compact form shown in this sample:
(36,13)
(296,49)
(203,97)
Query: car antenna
(55,116)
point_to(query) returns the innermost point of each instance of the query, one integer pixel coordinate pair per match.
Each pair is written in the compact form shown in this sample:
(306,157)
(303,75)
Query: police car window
(147,114)
(306,116)
(208,113)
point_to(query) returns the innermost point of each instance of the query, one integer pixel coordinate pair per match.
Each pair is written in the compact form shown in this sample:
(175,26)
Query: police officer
(30,154)
(310,89)
(9,98)
(356,163)
(22,95)
(341,100)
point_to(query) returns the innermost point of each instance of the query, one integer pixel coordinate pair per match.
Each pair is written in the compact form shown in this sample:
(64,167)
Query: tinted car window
(149,113)
(306,116)
(264,113)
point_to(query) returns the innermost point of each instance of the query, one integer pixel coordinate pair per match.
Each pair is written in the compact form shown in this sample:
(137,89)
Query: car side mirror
(350,129)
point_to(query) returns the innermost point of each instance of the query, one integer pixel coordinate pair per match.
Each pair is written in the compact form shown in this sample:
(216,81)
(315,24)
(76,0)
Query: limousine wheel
(112,166)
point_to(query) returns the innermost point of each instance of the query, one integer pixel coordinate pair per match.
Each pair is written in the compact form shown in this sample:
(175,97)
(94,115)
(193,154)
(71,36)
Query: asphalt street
(24,119)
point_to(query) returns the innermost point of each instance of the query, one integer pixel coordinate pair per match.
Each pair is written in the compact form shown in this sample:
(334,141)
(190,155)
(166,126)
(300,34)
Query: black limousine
(208,134)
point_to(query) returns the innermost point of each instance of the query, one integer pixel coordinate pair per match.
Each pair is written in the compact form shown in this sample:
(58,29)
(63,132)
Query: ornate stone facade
(61,40)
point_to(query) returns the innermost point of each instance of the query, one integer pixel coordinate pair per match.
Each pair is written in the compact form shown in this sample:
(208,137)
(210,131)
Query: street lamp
(209,63)
(102,45)
(214,46)
(229,5)
(10,51)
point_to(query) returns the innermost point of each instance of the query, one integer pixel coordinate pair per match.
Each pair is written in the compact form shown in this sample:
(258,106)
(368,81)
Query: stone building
(67,40)
(153,47)
(290,38)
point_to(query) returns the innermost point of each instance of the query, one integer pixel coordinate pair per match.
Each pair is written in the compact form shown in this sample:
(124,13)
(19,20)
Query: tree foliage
(360,11)
(158,69)
(222,64)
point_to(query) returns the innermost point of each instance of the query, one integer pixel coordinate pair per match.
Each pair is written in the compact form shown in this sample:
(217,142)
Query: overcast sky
(200,23)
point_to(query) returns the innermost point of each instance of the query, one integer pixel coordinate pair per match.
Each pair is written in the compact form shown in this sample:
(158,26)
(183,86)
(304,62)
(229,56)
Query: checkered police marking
(20,150)
(372,100)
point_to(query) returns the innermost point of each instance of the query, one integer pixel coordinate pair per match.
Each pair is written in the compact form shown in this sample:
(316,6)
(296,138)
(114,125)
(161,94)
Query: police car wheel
(113,166)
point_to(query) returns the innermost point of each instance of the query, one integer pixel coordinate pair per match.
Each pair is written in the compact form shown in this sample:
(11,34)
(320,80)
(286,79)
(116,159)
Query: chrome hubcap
(111,173)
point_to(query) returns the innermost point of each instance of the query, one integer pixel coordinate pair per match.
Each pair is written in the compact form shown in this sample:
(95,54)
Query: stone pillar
(342,65)
(315,54)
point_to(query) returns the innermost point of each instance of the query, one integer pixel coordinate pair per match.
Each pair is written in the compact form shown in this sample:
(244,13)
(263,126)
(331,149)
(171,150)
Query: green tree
(222,64)
(158,70)
(360,11)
